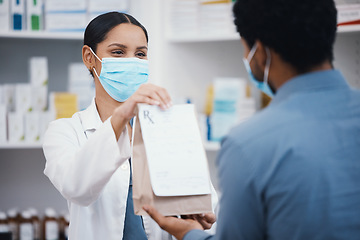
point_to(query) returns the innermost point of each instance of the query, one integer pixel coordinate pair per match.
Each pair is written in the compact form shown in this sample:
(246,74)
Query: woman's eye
(117,52)
(140,54)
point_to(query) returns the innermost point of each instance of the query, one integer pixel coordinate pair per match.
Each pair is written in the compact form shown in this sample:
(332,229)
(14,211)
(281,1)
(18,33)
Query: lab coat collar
(90,117)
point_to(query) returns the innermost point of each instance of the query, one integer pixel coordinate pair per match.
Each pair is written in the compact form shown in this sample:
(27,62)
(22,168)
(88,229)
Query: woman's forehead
(126,34)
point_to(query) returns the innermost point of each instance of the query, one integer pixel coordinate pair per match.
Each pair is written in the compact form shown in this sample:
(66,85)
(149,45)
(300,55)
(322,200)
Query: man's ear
(261,55)
(88,58)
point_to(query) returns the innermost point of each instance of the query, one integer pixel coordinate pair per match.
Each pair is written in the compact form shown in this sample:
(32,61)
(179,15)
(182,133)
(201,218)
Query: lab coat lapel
(90,119)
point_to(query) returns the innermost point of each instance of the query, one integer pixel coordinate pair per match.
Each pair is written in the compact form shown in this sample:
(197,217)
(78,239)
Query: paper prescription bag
(143,190)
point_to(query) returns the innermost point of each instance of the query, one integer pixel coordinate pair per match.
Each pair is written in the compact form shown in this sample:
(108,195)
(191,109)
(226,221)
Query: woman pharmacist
(88,155)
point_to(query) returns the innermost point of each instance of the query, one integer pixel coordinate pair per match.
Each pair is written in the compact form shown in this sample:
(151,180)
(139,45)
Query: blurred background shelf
(43,35)
(170,38)
(203,37)
(21,146)
(349,28)
(178,38)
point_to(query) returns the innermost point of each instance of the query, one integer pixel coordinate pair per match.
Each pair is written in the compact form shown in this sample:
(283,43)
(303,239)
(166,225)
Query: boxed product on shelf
(65,5)
(44,119)
(2,95)
(216,17)
(64,104)
(39,76)
(97,7)
(16,127)
(34,14)
(184,16)
(3,127)
(23,97)
(228,92)
(81,83)
(59,22)
(9,96)
(39,97)
(66,15)
(39,73)
(32,124)
(17,12)
(348,14)
(4,15)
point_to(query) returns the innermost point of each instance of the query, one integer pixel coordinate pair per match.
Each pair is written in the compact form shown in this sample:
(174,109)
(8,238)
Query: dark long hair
(99,27)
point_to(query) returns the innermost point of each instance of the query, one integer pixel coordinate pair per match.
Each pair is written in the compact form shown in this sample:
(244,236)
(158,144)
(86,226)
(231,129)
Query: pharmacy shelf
(212,146)
(349,28)
(21,146)
(183,38)
(203,37)
(43,35)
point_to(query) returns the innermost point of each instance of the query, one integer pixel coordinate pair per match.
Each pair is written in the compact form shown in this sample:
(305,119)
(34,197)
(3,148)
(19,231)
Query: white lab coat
(91,170)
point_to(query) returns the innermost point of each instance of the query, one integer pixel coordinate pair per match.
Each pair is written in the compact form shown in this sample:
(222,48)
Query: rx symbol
(147,116)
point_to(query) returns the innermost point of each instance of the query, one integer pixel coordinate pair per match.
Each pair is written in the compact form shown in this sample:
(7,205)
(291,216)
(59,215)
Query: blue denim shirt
(133,227)
(293,171)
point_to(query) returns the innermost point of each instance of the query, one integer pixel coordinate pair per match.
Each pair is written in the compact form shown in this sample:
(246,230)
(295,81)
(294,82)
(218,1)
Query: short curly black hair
(302,32)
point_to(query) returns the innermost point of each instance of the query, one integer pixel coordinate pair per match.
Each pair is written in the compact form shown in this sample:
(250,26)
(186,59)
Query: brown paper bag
(143,193)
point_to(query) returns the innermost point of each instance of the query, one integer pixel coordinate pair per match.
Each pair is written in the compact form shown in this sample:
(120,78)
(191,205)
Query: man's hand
(206,220)
(175,226)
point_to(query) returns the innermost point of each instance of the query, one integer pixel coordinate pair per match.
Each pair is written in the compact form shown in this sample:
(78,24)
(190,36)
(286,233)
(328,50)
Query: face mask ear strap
(95,55)
(252,53)
(267,67)
(96,72)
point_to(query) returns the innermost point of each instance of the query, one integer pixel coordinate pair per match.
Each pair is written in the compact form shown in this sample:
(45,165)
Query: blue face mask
(263,86)
(121,77)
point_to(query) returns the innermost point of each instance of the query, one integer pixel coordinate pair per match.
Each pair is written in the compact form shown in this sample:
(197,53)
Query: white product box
(23,97)
(39,97)
(32,127)
(17,12)
(39,71)
(349,14)
(9,96)
(97,7)
(228,92)
(3,125)
(82,84)
(16,127)
(65,5)
(2,94)
(35,15)
(4,15)
(66,21)
(44,119)
(232,89)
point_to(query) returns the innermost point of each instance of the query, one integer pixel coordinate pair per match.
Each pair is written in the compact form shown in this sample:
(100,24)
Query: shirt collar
(90,118)
(328,79)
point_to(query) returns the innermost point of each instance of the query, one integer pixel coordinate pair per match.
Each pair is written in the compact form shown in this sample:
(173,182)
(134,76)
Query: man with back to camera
(293,170)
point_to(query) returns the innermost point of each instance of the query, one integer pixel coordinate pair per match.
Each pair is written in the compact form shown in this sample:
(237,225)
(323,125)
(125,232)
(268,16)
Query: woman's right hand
(147,93)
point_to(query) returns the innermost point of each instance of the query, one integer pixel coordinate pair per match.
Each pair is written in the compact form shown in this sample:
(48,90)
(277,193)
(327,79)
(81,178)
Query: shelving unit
(184,64)
(21,146)
(43,35)
(183,38)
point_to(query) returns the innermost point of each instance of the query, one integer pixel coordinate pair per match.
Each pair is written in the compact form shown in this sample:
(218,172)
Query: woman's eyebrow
(117,45)
(142,47)
(124,46)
